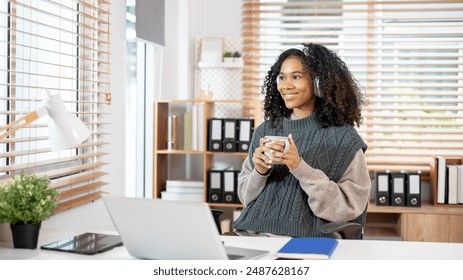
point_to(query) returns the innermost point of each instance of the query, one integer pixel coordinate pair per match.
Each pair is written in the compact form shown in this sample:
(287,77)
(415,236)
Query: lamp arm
(20,123)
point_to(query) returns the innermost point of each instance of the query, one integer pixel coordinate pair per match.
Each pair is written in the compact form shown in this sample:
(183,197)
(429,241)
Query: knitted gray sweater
(282,206)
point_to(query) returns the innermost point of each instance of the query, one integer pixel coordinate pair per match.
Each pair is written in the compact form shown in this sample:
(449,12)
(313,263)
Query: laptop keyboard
(234,257)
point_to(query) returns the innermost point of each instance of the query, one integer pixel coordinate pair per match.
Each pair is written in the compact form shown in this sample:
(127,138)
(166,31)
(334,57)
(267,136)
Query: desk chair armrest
(346,230)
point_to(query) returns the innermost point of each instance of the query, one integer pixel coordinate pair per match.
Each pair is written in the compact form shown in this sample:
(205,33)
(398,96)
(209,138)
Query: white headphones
(316,80)
(316,87)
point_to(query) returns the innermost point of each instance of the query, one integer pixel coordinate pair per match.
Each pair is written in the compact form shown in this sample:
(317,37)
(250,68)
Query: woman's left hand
(292,157)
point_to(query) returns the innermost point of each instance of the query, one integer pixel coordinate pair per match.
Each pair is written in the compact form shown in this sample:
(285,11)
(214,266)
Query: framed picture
(211,50)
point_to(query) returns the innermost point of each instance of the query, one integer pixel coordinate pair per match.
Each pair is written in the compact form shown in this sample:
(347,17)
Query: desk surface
(346,250)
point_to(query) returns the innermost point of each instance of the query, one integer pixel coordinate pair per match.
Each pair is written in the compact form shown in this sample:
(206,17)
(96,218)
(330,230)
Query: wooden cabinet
(201,160)
(426,223)
(432,222)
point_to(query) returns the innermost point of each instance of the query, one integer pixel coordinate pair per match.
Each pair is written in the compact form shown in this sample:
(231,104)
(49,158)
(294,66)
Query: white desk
(366,249)
(346,250)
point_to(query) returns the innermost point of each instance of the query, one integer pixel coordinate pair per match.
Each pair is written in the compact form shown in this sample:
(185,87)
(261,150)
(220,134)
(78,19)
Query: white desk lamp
(65,130)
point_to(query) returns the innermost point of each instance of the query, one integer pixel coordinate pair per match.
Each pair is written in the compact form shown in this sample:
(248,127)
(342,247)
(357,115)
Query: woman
(311,97)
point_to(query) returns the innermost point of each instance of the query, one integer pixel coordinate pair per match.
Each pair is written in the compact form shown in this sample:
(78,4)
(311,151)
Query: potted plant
(24,204)
(228,57)
(236,56)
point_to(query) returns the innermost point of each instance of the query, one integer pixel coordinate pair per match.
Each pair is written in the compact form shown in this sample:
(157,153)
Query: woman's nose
(288,83)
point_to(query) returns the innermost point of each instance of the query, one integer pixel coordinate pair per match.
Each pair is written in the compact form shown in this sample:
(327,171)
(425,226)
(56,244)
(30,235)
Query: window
(61,46)
(407,55)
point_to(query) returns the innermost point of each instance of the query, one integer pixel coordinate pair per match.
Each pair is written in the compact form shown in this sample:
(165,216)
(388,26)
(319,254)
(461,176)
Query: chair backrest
(347,230)
(217,213)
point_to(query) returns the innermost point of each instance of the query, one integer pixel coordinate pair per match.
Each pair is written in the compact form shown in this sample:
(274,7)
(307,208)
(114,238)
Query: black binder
(229,185)
(383,187)
(230,131)
(245,130)
(214,185)
(215,135)
(413,190)
(398,189)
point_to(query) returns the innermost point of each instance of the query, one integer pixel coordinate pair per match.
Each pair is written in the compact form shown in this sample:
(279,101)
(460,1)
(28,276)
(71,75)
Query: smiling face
(296,87)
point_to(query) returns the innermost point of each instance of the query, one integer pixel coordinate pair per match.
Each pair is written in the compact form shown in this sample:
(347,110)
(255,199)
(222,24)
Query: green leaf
(27,199)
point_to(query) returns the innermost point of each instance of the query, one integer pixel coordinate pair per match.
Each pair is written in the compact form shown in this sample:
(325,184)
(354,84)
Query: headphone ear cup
(316,87)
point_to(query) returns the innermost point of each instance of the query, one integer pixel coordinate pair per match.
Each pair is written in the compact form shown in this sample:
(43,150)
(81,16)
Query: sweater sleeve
(341,201)
(250,183)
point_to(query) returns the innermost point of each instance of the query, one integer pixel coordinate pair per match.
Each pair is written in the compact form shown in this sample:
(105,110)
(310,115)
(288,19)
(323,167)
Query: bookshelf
(218,90)
(174,164)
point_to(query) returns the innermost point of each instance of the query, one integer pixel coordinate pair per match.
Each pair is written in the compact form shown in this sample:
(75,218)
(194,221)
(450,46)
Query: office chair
(347,230)
(340,230)
(344,230)
(216,213)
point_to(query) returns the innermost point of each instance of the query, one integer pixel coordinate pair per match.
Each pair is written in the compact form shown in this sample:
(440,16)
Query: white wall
(215,18)
(185,20)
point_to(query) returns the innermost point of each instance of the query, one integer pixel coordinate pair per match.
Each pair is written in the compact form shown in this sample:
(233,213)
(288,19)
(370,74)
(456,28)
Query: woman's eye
(297,77)
(281,78)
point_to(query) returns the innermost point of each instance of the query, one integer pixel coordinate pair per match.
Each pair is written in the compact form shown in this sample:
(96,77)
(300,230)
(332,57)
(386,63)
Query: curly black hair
(342,97)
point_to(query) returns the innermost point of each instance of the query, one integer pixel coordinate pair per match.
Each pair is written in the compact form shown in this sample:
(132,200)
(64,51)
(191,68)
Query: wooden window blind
(61,46)
(407,55)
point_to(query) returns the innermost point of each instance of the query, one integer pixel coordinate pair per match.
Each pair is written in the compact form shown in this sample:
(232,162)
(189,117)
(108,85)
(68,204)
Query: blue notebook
(308,248)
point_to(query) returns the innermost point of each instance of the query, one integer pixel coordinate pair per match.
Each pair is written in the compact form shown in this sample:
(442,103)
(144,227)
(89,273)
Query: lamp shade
(65,129)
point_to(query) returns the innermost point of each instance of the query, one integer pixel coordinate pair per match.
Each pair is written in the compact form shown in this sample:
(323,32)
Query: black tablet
(87,243)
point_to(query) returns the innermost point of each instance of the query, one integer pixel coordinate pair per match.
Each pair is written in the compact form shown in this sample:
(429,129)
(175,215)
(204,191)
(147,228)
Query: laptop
(171,230)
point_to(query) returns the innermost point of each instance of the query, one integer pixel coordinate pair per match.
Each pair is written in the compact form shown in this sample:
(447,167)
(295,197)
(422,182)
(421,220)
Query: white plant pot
(238,59)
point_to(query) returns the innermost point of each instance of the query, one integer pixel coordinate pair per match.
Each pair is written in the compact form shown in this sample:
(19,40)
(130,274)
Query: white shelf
(235,64)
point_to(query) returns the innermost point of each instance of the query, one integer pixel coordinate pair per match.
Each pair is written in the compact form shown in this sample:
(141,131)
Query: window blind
(407,56)
(61,46)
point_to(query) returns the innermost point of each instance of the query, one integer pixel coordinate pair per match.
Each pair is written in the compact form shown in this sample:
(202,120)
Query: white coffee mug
(277,138)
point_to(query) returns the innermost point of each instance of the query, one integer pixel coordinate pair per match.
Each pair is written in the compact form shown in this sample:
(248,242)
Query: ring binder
(413,192)
(383,182)
(229,135)
(214,185)
(398,188)
(245,128)
(229,186)
(215,135)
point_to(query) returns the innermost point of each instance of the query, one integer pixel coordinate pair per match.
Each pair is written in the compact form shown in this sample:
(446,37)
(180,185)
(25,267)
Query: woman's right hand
(262,163)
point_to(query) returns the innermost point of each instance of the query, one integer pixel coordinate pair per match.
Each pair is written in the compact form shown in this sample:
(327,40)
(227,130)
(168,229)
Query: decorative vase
(25,236)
